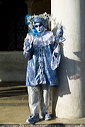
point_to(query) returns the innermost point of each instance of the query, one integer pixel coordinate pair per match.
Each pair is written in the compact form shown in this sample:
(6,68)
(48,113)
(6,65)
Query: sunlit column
(69,97)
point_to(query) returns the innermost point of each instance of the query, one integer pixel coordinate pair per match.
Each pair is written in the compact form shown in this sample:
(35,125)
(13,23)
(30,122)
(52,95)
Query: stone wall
(12,66)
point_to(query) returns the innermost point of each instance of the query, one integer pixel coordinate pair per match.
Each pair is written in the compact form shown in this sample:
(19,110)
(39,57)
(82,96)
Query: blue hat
(40,20)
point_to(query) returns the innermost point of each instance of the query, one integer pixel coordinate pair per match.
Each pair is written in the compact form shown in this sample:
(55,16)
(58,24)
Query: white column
(69,97)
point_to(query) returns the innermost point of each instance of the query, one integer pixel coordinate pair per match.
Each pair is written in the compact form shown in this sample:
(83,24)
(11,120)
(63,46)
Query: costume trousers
(38,98)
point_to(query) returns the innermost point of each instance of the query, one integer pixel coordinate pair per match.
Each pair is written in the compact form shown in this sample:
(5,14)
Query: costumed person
(42,50)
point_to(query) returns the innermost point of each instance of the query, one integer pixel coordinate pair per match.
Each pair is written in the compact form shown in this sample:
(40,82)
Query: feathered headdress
(41,18)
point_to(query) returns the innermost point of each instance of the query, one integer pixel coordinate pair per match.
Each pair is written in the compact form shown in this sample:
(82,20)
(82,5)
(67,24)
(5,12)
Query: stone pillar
(29,5)
(69,97)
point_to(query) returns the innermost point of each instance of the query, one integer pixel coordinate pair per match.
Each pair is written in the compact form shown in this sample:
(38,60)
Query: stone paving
(14,109)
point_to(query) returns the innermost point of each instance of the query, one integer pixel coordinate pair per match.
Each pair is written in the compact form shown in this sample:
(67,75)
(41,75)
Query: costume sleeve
(56,56)
(28,46)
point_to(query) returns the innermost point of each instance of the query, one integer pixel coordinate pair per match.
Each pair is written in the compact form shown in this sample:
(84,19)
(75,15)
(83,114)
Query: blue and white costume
(39,56)
(43,54)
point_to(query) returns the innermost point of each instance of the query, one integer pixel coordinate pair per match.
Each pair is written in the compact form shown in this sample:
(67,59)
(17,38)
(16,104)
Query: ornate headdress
(41,18)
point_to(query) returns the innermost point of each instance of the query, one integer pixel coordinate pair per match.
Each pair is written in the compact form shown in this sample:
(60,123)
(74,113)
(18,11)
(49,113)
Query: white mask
(39,27)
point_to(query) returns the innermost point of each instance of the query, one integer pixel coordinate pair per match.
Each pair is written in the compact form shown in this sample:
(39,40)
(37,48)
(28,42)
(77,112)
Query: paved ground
(14,106)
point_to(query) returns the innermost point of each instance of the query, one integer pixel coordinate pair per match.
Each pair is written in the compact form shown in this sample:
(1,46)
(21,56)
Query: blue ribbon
(26,21)
(34,32)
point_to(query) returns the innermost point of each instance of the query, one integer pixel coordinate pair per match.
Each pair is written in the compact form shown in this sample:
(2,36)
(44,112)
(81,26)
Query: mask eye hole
(35,26)
(40,25)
